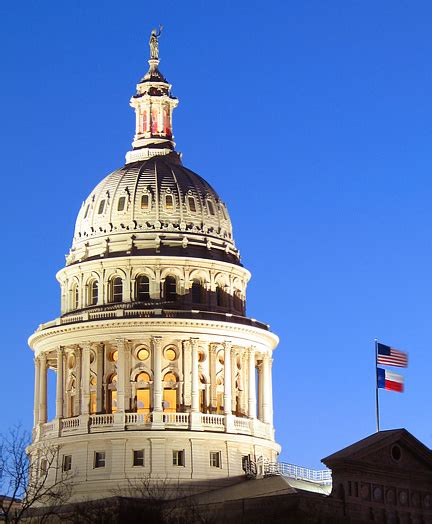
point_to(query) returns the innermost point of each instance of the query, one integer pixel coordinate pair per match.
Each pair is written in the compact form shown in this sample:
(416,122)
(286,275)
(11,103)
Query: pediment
(386,449)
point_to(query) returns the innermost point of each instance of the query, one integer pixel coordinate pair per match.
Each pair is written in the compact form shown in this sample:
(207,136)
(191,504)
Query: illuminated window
(114,357)
(221,357)
(93,380)
(154,123)
(121,203)
(143,354)
(210,207)
(169,202)
(94,293)
(101,207)
(192,204)
(215,459)
(178,457)
(170,354)
(99,459)
(116,290)
(67,462)
(143,377)
(144,122)
(170,288)
(170,377)
(143,400)
(145,201)
(138,457)
(142,288)
(201,356)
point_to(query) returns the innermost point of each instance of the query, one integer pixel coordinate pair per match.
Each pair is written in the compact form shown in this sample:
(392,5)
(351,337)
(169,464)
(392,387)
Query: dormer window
(121,203)
(101,207)
(169,202)
(87,210)
(192,204)
(145,202)
(210,207)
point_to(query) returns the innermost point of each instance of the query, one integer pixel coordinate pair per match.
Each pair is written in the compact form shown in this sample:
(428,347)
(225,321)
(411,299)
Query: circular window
(221,357)
(113,379)
(143,377)
(71,362)
(93,381)
(92,357)
(201,356)
(238,363)
(396,453)
(170,354)
(114,356)
(143,354)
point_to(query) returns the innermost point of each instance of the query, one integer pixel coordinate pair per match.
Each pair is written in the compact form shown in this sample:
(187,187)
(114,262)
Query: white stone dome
(153,206)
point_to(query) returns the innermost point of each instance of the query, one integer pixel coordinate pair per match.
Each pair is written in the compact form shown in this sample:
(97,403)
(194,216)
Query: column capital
(194,342)
(157,341)
(227,344)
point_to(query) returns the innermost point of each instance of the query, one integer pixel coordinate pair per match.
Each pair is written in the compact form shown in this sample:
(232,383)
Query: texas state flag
(389,380)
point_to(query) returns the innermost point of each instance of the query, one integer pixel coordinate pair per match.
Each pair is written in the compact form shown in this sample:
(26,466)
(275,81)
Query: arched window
(142,400)
(220,296)
(101,207)
(203,400)
(121,203)
(210,207)
(170,393)
(112,396)
(197,292)
(117,290)
(142,288)
(170,288)
(75,296)
(93,293)
(237,301)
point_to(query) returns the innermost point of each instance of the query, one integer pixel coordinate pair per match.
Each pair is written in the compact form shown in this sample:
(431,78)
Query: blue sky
(313,122)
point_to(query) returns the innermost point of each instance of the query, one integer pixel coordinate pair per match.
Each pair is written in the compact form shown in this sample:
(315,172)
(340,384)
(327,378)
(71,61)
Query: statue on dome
(154,43)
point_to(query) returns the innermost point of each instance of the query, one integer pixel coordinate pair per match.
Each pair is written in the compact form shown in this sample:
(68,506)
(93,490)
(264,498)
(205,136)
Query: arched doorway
(112,394)
(170,393)
(142,399)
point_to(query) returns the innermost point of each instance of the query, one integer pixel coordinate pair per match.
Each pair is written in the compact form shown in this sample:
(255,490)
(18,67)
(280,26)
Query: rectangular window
(99,459)
(43,470)
(67,462)
(138,457)
(178,457)
(101,207)
(215,459)
(145,201)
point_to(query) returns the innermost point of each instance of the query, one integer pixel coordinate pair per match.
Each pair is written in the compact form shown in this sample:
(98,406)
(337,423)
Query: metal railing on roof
(320,476)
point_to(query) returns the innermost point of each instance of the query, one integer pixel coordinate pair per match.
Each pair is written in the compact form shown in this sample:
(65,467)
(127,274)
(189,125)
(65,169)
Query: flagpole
(376,387)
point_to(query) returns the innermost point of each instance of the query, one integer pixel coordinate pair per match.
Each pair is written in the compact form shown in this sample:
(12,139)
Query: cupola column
(227,377)
(99,377)
(86,379)
(252,384)
(120,375)
(36,391)
(187,373)
(195,381)
(157,373)
(266,389)
(43,389)
(59,384)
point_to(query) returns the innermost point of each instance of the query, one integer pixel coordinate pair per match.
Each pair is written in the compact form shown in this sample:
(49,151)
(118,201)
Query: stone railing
(123,312)
(153,421)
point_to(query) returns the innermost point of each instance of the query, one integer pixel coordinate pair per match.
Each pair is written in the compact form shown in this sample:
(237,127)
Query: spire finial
(154,43)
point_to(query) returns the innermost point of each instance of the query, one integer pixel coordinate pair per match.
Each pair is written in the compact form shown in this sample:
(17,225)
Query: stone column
(77,407)
(270,390)
(157,374)
(266,408)
(187,377)
(252,386)
(85,389)
(43,389)
(120,375)
(36,391)
(213,385)
(99,377)
(195,382)
(260,390)
(127,382)
(227,377)
(233,381)
(60,381)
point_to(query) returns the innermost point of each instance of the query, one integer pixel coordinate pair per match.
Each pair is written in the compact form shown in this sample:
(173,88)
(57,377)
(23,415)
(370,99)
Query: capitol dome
(153,205)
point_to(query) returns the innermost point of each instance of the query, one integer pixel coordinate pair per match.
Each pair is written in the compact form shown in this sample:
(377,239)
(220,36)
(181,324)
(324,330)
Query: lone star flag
(388,356)
(389,380)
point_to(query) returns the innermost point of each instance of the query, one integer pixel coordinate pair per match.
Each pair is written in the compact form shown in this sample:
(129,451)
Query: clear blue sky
(313,120)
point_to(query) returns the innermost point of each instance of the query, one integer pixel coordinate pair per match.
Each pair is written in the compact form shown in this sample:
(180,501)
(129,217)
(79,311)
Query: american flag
(388,356)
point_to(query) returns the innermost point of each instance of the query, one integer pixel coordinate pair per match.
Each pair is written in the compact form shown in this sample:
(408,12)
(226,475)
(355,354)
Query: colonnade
(256,367)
